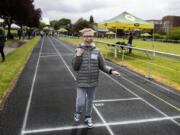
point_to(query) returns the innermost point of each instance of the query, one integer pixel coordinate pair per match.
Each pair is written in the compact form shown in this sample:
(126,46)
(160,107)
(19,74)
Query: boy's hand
(115,73)
(79,51)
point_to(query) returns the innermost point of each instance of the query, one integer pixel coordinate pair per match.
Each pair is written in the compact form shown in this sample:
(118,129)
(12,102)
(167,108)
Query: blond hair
(86,30)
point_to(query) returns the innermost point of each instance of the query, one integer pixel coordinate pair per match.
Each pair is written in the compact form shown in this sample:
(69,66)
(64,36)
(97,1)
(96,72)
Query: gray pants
(85,94)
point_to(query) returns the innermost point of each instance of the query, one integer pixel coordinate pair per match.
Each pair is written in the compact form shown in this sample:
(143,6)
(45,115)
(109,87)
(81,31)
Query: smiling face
(88,37)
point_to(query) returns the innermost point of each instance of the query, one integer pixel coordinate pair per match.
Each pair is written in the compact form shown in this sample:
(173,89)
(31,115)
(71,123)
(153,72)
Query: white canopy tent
(14,26)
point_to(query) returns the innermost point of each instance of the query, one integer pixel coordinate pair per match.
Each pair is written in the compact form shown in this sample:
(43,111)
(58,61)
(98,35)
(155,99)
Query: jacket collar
(91,45)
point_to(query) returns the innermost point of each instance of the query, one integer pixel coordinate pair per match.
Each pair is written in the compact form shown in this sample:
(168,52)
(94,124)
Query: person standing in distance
(87,62)
(130,39)
(2,42)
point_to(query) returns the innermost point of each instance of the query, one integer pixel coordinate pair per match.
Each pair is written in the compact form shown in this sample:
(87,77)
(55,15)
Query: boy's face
(88,37)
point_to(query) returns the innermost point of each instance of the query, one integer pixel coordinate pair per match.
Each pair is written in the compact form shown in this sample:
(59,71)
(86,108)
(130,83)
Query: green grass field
(159,46)
(163,69)
(14,61)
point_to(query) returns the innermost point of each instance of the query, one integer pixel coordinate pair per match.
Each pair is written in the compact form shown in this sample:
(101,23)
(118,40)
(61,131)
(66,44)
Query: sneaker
(77,117)
(89,122)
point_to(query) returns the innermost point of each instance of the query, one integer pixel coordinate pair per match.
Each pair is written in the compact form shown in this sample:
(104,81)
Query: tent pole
(153,43)
(116,33)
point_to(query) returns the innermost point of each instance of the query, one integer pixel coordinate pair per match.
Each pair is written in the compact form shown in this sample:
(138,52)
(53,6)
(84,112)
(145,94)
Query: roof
(126,17)
(100,29)
(126,20)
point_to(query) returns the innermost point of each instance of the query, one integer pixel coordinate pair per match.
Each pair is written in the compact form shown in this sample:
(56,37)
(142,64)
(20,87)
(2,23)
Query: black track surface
(148,108)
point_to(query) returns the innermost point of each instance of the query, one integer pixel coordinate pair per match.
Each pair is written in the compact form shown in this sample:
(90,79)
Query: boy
(87,62)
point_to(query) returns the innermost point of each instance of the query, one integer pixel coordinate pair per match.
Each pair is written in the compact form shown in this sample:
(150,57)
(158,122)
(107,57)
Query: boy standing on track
(87,62)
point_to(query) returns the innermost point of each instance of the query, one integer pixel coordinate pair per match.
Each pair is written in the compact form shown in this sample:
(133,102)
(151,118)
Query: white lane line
(163,87)
(70,49)
(141,98)
(135,94)
(141,121)
(49,56)
(48,53)
(114,100)
(108,128)
(104,122)
(131,73)
(54,129)
(59,54)
(178,94)
(31,91)
(173,92)
(98,125)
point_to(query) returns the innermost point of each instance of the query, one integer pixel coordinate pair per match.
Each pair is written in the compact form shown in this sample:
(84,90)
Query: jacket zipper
(89,67)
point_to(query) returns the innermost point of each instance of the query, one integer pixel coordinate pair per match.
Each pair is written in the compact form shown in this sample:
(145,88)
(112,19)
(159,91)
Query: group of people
(22,33)
(42,33)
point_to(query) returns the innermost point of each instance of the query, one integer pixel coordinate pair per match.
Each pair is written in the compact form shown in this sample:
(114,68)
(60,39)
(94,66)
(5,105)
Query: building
(100,32)
(157,24)
(170,22)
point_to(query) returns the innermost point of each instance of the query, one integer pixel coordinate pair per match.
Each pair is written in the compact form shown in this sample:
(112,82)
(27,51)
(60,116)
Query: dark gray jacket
(88,65)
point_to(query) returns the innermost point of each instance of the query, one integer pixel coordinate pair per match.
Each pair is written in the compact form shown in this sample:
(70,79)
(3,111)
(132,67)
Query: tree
(53,23)
(174,33)
(91,20)
(161,32)
(34,18)
(31,16)
(64,22)
(21,12)
(42,25)
(81,24)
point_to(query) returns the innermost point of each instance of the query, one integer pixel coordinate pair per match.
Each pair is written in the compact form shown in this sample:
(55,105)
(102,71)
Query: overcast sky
(106,9)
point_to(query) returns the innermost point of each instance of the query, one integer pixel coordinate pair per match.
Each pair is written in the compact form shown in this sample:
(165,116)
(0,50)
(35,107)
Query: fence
(115,47)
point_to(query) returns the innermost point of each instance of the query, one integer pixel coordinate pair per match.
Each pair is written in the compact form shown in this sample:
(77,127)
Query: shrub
(174,33)
(161,32)
(157,36)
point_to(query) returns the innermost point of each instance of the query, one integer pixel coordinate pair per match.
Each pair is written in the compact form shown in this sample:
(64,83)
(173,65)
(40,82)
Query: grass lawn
(163,70)
(13,64)
(159,46)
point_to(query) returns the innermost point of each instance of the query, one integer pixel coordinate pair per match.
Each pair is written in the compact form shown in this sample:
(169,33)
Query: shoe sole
(76,120)
(88,125)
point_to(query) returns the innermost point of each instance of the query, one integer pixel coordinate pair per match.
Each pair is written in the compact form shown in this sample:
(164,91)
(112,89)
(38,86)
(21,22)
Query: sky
(102,10)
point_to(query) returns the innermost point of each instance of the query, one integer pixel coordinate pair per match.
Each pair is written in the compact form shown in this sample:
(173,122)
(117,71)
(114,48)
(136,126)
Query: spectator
(2,42)
(23,34)
(130,42)
(29,34)
(19,34)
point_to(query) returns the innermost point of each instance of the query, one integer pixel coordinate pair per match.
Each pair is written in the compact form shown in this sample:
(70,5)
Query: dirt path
(12,46)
